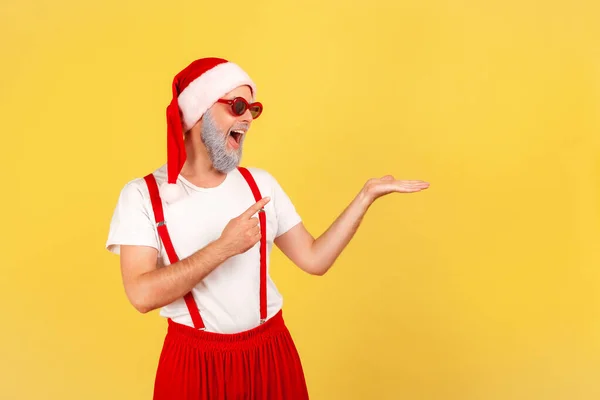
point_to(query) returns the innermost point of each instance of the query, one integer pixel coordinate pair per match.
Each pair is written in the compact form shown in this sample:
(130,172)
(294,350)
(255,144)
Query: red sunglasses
(239,105)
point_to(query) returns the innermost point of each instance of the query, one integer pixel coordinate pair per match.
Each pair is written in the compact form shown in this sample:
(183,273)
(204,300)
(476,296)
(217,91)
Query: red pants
(261,363)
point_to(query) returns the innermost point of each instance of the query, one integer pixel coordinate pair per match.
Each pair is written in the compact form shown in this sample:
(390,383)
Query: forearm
(162,286)
(317,256)
(328,247)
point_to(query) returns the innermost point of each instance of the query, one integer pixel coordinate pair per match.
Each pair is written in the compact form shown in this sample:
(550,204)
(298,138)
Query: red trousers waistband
(260,363)
(227,341)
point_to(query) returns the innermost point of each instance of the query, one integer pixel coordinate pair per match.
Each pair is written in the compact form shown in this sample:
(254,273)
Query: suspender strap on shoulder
(166,239)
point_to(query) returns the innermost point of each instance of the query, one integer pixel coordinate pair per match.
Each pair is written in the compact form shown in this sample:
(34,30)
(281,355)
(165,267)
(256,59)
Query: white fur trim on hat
(209,87)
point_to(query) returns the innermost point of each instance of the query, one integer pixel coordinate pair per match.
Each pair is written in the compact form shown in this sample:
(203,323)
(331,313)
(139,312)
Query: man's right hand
(243,231)
(149,287)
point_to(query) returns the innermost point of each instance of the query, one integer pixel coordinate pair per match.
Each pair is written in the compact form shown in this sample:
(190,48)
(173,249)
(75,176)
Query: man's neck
(200,172)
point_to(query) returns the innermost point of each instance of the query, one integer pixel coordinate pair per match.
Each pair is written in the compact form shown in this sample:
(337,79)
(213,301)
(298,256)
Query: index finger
(256,207)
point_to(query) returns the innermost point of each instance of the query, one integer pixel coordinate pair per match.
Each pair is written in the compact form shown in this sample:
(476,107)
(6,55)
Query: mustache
(240,126)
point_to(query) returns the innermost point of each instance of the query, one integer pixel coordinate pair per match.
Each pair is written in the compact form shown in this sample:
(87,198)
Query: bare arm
(148,287)
(316,256)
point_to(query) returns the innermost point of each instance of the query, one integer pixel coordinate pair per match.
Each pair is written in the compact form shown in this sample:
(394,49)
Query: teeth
(236,135)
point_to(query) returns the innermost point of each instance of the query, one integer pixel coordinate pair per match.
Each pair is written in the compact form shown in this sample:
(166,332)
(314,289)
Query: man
(194,239)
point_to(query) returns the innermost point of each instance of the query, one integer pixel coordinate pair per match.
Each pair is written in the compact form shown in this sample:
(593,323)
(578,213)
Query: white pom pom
(171,192)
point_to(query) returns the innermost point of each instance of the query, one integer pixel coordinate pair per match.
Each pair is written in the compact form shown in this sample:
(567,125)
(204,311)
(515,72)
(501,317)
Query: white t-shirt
(228,298)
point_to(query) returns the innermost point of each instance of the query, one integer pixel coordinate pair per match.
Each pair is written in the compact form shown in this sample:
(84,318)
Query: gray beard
(215,140)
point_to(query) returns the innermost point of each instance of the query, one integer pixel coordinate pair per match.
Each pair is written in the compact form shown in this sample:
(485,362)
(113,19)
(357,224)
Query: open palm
(377,187)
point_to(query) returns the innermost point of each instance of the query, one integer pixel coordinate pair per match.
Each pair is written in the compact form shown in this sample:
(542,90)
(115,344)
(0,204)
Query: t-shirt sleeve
(132,222)
(287,215)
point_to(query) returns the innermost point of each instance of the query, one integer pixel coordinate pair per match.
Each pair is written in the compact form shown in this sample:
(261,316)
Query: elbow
(140,301)
(141,307)
(317,269)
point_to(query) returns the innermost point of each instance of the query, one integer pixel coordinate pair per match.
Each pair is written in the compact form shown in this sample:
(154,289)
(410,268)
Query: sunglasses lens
(239,106)
(255,110)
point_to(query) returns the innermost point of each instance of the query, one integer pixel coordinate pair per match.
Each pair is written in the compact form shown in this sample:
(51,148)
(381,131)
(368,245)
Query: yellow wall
(484,287)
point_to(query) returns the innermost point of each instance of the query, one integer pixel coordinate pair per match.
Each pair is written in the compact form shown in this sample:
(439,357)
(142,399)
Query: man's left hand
(377,187)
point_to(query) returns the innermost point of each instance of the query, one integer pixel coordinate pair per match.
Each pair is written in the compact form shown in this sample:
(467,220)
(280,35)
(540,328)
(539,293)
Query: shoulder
(262,176)
(136,189)
(264,179)
(268,183)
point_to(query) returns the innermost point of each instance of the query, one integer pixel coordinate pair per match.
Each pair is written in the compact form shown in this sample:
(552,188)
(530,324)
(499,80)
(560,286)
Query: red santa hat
(195,89)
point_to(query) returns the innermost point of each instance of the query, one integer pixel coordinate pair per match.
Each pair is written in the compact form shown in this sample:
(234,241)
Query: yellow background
(486,286)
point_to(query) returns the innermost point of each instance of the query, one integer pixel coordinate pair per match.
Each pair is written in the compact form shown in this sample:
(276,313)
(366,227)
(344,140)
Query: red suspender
(263,244)
(164,235)
(166,239)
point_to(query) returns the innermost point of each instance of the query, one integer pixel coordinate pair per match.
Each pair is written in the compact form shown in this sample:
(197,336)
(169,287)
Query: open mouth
(235,138)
